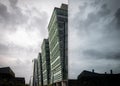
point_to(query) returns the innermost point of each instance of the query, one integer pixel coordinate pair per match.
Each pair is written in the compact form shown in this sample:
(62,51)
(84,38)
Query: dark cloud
(82,8)
(95,32)
(17,14)
(11,19)
(38,21)
(4,14)
(93,17)
(117,15)
(96,2)
(101,55)
(13,3)
(104,11)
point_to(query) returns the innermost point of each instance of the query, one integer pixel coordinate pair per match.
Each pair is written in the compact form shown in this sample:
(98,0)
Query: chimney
(111,72)
(93,70)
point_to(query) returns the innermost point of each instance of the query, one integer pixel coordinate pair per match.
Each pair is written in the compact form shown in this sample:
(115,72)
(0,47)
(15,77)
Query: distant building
(7,78)
(45,62)
(58,43)
(31,81)
(88,78)
(35,72)
(20,81)
(6,71)
(40,75)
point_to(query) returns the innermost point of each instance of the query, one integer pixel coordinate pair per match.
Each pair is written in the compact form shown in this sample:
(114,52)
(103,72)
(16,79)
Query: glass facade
(35,73)
(40,75)
(45,62)
(58,44)
(52,62)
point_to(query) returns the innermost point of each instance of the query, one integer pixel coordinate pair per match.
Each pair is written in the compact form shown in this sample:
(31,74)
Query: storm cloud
(94,32)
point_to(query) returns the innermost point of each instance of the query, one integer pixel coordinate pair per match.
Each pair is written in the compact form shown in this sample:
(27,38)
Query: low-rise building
(88,78)
(7,78)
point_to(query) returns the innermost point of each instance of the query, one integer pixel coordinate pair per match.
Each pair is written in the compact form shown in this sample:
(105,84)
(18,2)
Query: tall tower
(45,62)
(58,43)
(40,75)
(35,72)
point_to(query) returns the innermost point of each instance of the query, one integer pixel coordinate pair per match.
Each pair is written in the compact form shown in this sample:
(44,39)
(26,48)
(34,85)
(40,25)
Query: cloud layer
(94,32)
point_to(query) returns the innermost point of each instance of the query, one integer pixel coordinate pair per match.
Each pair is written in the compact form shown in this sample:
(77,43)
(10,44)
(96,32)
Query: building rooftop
(93,74)
(7,70)
(20,80)
(64,6)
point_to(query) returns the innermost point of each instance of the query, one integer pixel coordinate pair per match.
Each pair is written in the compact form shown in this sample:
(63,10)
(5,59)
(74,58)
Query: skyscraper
(45,62)
(35,72)
(52,62)
(40,75)
(58,43)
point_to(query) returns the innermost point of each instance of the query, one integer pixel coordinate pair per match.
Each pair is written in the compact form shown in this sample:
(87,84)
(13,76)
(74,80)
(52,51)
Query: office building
(58,43)
(35,72)
(40,75)
(51,66)
(45,62)
(88,78)
(7,78)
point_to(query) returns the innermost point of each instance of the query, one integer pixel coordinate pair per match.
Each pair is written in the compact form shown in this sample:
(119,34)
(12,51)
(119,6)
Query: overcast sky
(23,25)
(94,36)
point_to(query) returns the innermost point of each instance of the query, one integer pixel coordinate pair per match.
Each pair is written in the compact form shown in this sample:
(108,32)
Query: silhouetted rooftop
(6,70)
(64,6)
(20,80)
(93,74)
